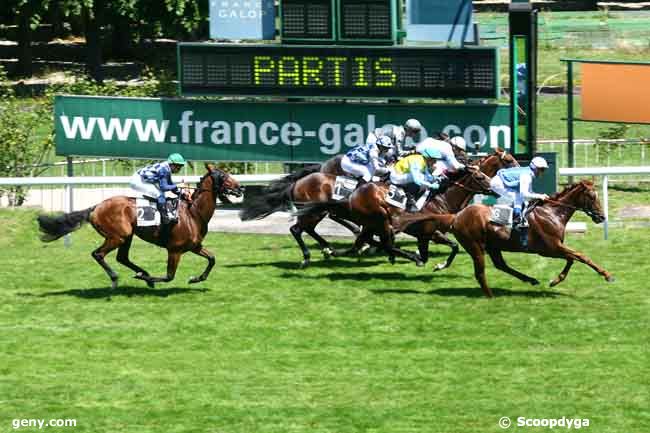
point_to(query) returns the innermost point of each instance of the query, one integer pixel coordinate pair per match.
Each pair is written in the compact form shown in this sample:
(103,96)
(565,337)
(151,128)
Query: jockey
(448,161)
(413,173)
(366,160)
(516,184)
(156,179)
(398,134)
(412,128)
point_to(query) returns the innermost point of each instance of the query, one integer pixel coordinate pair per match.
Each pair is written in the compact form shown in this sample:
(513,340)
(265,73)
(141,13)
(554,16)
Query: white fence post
(606,205)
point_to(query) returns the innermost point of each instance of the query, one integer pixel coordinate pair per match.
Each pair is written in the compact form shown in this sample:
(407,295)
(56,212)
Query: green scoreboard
(337,71)
(339,21)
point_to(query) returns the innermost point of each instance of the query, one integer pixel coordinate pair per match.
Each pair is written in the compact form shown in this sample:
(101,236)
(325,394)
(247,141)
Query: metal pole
(569,117)
(606,205)
(67,241)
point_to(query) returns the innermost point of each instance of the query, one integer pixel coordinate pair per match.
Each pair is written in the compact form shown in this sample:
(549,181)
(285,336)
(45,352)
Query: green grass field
(345,346)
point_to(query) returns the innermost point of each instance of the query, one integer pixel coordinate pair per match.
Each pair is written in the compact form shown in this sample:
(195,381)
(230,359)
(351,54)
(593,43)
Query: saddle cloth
(147,212)
(344,186)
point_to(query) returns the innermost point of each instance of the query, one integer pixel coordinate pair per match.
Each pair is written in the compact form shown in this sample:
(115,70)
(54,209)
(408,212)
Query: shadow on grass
(107,292)
(316,263)
(367,276)
(473,292)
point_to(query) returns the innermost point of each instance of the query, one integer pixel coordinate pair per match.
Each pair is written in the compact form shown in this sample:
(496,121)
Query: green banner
(259,131)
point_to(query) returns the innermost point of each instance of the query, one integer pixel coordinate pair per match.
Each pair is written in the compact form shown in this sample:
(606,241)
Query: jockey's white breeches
(357,170)
(147,189)
(400,178)
(496,184)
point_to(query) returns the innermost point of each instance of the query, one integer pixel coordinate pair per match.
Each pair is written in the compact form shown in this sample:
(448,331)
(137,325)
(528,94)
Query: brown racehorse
(547,220)
(308,185)
(456,197)
(368,207)
(115,220)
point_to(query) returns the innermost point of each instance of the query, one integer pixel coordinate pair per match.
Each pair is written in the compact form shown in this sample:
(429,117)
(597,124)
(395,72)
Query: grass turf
(345,346)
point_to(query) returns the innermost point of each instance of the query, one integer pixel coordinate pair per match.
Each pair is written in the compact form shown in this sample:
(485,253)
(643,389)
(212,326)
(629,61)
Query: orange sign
(616,92)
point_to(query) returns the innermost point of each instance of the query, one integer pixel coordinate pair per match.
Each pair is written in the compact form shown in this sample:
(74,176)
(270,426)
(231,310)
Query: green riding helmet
(431,153)
(176,158)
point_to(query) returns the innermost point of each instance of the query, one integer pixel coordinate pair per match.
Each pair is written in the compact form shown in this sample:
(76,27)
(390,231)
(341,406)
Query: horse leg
(569,253)
(100,253)
(440,238)
(387,238)
(210,257)
(296,231)
(347,224)
(423,248)
(173,258)
(477,252)
(414,257)
(123,258)
(500,264)
(563,274)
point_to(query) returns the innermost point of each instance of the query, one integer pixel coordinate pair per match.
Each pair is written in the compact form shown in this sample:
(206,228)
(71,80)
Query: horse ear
(209,167)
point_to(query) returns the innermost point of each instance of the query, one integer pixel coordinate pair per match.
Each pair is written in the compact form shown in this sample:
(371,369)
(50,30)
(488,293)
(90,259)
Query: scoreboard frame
(462,65)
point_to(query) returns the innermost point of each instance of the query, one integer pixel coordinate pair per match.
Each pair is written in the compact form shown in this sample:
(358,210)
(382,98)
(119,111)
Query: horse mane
(571,187)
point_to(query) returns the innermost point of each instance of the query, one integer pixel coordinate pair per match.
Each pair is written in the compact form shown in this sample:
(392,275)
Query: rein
(466,188)
(570,206)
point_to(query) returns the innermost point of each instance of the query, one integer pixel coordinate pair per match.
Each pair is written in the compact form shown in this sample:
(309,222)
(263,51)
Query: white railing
(605,172)
(65,199)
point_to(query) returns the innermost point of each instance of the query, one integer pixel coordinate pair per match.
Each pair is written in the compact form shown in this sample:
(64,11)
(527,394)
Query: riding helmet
(538,162)
(176,158)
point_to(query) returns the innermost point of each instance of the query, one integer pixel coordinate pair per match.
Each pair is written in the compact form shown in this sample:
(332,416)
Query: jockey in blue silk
(366,160)
(516,184)
(414,174)
(156,179)
(448,162)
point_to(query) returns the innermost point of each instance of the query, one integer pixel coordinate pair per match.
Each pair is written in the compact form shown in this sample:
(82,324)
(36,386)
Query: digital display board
(307,19)
(333,71)
(365,20)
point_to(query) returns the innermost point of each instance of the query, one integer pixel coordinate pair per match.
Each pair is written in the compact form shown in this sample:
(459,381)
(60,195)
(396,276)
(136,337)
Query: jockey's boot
(419,204)
(518,219)
(165,223)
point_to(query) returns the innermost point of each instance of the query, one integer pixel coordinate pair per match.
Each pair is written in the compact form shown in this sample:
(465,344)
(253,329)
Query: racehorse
(308,185)
(452,200)
(547,223)
(115,219)
(367,206)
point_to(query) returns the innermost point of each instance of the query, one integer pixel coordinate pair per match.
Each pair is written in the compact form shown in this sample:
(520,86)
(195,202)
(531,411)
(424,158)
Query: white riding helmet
(538,162)
(413,125)
(385,142)
(458,141)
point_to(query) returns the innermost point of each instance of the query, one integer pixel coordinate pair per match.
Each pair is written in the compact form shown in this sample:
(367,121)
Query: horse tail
(259,207)
(54,226)
(333,206)
(291,178)
(401,222)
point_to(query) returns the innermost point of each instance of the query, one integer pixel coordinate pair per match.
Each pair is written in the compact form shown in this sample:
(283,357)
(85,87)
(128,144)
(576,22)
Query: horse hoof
(193,280)
(553,283)
(534,282)
(439,267)
(304,264)
(391,259)
(419,263)
(610,278)
(151,284)
(364,248)
(327,252)
(113,284)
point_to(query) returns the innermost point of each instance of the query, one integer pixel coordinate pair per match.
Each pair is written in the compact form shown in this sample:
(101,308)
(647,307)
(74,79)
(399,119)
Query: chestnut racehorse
(115,219)
(314,184)
(547,222)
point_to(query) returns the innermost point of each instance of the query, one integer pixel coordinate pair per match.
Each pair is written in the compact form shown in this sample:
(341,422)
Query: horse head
(220,183)
(477,180)
(499,159)
(584,197)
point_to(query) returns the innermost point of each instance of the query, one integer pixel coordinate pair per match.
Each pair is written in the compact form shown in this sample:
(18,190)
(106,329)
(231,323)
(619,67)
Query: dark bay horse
(115,219)
(547,220)
(368,207)
(456,197)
